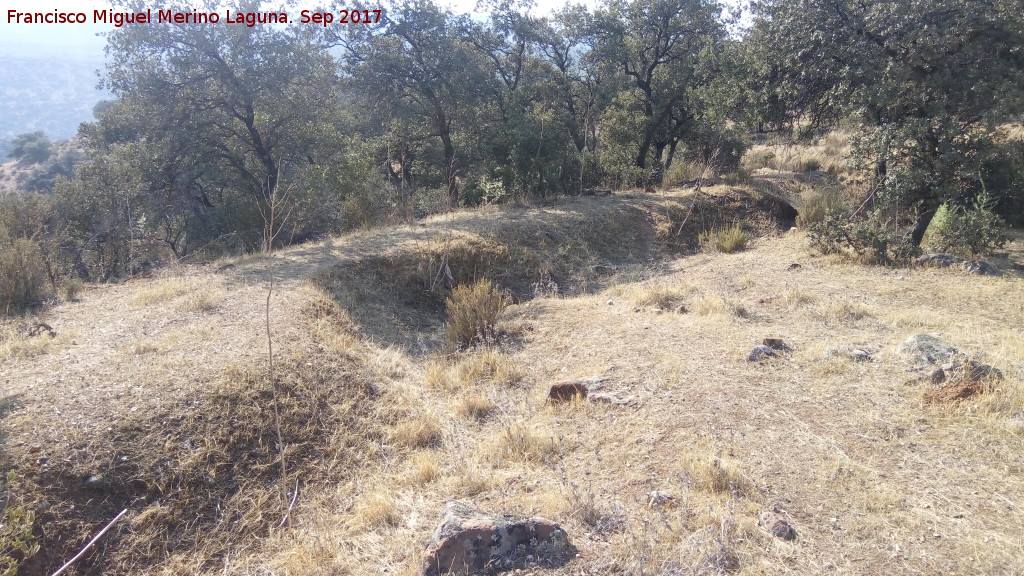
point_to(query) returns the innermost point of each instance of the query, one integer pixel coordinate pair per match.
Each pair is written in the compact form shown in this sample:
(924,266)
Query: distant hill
(50,90)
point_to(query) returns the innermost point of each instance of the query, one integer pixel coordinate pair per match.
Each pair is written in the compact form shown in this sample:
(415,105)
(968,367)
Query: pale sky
(62,36)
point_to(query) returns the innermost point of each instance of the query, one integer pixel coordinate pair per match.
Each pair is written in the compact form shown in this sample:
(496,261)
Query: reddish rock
(468,540)
(568,390)
(776,344)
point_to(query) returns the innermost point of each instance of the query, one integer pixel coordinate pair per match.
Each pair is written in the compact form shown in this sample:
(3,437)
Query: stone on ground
(469,540)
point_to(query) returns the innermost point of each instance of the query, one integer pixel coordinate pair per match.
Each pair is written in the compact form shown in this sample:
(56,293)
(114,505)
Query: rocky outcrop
(953,374)
(469,541)
(979,267)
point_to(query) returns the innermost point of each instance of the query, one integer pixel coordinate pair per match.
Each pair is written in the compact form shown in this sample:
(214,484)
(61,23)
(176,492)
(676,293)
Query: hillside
(47,90)
(152,397)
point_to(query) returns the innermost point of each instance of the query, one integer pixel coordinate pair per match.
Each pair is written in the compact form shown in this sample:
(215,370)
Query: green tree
(667,50)
(420,62)
(31,148)
(228,113)
(928,81)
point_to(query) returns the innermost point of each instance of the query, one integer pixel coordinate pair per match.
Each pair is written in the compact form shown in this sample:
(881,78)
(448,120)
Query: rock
(469,540)
(773,522)
(659,498)
(777,344)
(980,267)
(936,376)
(937,260)
(568,390)
(925,349)
(760,352)
(794,266)
(961,367)
(610,398)
(850,353)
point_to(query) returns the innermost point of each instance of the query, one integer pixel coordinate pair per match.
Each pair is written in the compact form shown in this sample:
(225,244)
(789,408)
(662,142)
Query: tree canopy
(428,109)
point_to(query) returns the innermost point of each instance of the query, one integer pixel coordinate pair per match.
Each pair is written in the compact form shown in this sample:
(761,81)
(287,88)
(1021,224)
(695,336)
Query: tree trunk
(450,172)
(924,218)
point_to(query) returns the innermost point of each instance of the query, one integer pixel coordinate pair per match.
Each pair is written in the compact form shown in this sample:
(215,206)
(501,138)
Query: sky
(83,36)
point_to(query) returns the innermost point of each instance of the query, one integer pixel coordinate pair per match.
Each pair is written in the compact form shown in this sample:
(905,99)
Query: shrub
(727,240)
(818,208)
(473,313)
(22,274)
(870,237)
(974,230)
(71,288)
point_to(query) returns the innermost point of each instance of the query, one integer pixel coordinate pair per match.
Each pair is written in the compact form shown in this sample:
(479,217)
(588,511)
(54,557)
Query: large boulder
(469,541)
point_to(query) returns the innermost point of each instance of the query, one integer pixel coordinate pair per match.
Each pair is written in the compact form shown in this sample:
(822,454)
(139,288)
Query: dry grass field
(153,397)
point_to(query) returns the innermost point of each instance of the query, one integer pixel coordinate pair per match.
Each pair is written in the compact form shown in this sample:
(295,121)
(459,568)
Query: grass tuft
(726,240)
(421,431)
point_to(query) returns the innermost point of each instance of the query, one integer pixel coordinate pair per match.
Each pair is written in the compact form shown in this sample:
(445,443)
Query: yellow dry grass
(381,431)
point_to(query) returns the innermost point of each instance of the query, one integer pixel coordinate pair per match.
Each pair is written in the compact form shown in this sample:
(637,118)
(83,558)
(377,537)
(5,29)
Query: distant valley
(48,90)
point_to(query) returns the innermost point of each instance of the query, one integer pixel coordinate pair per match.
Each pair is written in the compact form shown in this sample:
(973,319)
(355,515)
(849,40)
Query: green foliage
(727,239)
(873,238)
(971,231)
(17,543)
(31,148)
(925,80)
(473,313)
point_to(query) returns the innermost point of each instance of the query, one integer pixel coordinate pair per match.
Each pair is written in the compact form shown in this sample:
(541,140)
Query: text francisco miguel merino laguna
(119,19)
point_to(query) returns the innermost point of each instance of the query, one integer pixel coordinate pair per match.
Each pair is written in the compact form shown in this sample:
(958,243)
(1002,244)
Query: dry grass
(825,154)
(421,431)
(377,510)
(475,406)
(424,468)
(726,240)
(488,366)
(713,304)
(381,430)
(524,443)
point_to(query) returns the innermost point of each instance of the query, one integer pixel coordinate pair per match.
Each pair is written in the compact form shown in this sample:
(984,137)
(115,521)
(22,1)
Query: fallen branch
(91,542)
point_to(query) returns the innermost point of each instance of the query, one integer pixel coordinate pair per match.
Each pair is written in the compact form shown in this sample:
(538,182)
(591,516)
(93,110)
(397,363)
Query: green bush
(727,240)
(871,238)
(16,540)
(473,313)
(968,231)
(22,275)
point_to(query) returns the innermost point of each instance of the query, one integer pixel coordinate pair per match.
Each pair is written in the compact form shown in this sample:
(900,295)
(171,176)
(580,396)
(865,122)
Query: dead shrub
(473,313)
(22,275)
